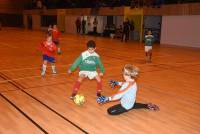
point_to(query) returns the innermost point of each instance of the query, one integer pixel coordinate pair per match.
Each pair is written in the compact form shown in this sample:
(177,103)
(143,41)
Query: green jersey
(88,62)
(148,40)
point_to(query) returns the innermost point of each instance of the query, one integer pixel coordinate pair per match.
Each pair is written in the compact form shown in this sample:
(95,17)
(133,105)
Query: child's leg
(149,106)
(53,66)
(44,67)
(57,42)
(150,55)
(116,110)
(77,86)
(59,49)
(140,106)
(99,85)
(146,52)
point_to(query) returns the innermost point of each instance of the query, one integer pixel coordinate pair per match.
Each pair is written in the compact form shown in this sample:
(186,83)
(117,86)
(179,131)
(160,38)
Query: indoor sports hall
(41,92)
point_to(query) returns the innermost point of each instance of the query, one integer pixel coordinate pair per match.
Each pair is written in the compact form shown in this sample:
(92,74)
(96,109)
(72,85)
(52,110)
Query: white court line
(30,68)
(36,76)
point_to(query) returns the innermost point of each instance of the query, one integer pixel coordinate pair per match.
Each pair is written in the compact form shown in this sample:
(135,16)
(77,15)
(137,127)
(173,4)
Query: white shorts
(147,48)
(89,74)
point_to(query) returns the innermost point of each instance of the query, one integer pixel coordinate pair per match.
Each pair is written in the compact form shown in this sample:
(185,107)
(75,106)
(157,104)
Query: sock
(99,88)
(76,88)
(44,67)
(53,69)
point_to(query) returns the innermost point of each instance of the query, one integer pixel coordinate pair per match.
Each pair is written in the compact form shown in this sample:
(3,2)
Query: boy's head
(130,71)
(149,32)
(91,45)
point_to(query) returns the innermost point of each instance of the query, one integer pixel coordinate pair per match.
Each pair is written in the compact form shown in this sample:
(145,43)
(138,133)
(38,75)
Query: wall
(154,24)
(70,26)
(118,20)
(13,6)
(181,30)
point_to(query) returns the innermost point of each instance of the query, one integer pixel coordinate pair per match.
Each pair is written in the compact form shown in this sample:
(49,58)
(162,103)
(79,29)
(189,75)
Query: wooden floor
(30,104)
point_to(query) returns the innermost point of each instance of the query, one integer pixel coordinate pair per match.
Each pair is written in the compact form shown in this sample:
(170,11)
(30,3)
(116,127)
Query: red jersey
(55,34)
(48,48)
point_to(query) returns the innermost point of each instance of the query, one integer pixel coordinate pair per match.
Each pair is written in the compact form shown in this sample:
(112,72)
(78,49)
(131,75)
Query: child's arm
(75,64)
(120,93)
(101,65)
(117,96)
(104,99)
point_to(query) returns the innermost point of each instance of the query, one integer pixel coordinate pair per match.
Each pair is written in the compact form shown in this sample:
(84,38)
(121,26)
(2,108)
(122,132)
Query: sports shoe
(59,52)
(153,107)
(71,97)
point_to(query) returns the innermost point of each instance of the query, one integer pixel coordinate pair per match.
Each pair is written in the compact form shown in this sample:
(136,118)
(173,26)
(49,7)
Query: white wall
(181,30)
(118,20)
(89,24)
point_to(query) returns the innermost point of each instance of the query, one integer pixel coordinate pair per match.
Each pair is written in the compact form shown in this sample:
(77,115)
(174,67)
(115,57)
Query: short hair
(131,70)
(91,44)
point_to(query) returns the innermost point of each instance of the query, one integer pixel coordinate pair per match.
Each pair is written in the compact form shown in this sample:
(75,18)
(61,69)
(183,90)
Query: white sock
(53,68)
(44,67)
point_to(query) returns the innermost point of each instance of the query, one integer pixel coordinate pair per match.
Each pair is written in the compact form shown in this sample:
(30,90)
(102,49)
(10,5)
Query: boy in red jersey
(48,49)
(55,35)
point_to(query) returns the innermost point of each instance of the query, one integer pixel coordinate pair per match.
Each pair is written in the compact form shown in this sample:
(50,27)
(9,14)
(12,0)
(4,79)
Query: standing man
(95,23)
(78,25)
(126,29)
(83,23)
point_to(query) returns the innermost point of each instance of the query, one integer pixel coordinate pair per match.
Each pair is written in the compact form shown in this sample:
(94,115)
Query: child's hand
(113,83)
(101,74)
(102,99)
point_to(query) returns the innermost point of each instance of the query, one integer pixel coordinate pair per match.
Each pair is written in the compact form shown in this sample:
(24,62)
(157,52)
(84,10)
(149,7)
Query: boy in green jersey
(88,62)
(148,42)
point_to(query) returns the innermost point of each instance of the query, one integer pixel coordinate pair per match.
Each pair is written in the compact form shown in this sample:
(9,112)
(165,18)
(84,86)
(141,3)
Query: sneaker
(59,52)
(71,97)
(153,107)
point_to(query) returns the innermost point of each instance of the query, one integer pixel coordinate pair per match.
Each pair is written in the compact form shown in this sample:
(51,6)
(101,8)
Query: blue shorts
(48,58)
(56,42)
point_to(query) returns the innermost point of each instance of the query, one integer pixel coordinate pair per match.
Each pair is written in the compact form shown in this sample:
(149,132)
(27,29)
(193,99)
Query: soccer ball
(79,99)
